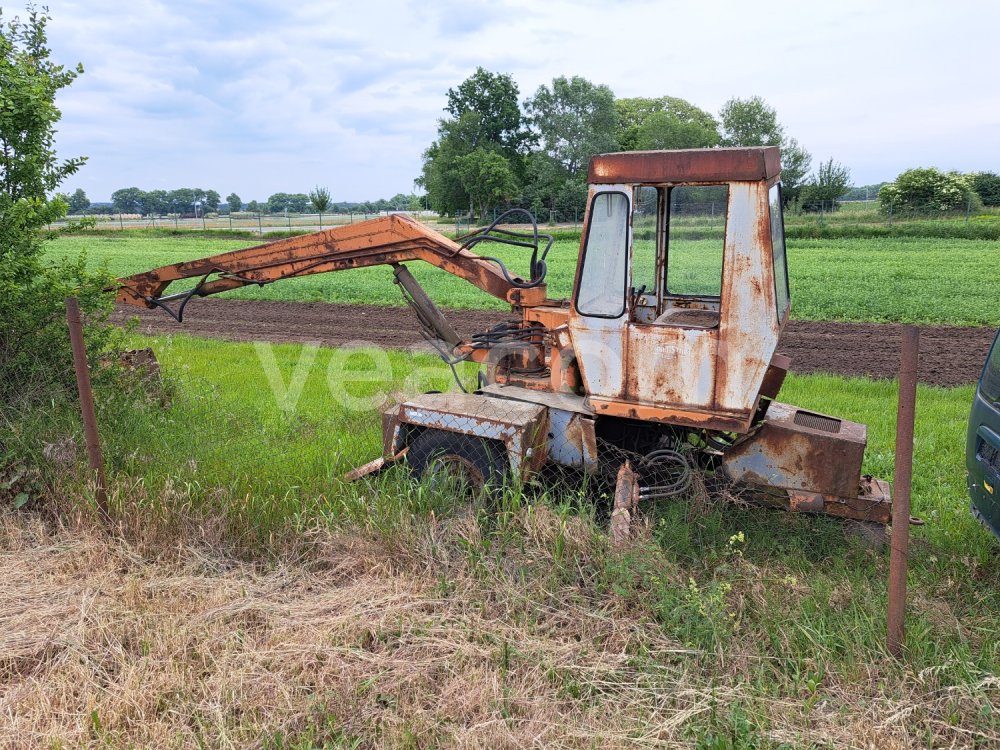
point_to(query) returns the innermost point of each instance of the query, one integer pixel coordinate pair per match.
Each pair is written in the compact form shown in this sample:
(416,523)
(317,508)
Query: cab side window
(601,292)
(781,293)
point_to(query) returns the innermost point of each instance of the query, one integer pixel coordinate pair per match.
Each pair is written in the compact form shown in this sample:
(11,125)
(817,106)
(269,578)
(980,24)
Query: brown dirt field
(949,355)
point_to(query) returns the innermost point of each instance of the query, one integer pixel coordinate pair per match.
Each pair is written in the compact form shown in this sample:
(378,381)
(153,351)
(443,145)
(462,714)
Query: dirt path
(949,355)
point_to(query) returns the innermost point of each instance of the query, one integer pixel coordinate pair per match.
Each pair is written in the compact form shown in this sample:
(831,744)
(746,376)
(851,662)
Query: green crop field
(916,280)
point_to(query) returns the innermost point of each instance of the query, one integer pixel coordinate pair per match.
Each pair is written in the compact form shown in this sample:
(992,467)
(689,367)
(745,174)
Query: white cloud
(261,97)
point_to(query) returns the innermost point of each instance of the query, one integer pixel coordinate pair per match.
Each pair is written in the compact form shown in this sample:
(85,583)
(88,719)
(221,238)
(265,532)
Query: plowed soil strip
(949,355)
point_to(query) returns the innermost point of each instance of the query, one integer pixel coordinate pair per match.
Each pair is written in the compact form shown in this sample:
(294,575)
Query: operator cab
(682,284)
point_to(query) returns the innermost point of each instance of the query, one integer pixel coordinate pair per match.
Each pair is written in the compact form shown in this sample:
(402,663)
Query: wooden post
(95,459)
(903,478)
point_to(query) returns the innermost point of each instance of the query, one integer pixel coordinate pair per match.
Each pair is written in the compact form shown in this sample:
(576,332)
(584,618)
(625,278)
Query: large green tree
(750,122)
(34,346)
(235,204)
(131,200)
(488,179)
(573,119)
(665,122)
(484,116)
(293,203)
(754,122)
(212,200)
(494,97)
(78,201)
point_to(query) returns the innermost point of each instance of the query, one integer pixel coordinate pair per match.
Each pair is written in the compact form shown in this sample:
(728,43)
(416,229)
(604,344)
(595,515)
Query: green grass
(225,427)
(944,281)
(784,601)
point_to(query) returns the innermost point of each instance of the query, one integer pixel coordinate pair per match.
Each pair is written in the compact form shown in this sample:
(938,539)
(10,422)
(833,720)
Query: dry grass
(354,640)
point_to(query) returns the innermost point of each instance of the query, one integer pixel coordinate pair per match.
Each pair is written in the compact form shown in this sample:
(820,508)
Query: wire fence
(876,212)
(244,221)
(710,213)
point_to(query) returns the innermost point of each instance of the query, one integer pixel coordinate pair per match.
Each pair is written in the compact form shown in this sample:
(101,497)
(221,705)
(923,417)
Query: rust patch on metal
(800,458)
(695,165)
(687,418)
(774,378)
(626,503)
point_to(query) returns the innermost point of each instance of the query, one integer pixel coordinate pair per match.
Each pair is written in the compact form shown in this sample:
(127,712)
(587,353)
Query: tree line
(493,150)
(197,202)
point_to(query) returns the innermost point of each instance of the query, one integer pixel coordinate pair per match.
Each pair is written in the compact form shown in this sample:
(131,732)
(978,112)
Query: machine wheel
(470,464)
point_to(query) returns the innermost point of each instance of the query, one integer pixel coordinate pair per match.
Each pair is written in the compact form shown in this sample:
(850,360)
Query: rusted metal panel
(784,453)
(708,420)
(599,345)
(872,503)
(567,439)
(565,401)
(774,378)
(520,426)
(549,316)
(696,165)
(671,366)
(748,327)
(572,438)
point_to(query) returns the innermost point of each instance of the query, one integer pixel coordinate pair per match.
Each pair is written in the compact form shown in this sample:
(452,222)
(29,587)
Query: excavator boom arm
(387,240)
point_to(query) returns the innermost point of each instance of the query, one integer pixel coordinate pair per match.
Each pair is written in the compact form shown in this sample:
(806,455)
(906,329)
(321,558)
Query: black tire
(477,463)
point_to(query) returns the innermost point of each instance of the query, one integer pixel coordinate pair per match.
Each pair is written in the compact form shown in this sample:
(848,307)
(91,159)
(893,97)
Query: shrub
(987,187)
(927,190)
(35,361)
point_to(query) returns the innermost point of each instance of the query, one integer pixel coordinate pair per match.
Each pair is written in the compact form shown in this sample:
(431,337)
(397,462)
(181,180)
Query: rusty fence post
(95,459)
(903,478)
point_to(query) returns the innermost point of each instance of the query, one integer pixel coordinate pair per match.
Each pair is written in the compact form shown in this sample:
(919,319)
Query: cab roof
(691,165)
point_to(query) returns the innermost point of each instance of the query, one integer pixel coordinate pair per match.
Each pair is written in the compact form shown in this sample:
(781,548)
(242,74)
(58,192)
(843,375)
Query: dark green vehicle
(982,455)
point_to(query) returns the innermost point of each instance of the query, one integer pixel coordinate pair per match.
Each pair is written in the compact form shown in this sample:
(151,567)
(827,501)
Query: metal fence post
(902,481)
(95,459)
(260,227)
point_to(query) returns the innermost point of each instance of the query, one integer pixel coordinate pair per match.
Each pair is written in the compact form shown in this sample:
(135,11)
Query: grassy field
(886,279)
(728,628)
(248,597)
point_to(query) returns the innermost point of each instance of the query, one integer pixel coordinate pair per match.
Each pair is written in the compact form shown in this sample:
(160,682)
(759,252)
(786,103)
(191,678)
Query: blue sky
(262,97)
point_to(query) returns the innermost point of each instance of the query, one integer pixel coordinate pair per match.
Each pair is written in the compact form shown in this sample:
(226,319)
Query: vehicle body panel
(983,445)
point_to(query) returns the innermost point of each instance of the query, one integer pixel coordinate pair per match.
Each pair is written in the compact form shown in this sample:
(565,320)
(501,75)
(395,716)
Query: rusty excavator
(664,356)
